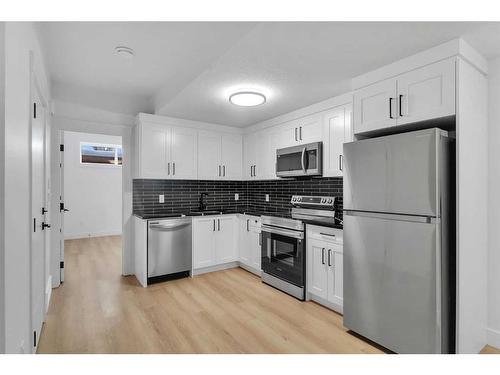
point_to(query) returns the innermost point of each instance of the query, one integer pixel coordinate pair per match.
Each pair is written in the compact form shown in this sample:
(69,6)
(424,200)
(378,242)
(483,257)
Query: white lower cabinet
(214,241)
(325,266)
(250,243)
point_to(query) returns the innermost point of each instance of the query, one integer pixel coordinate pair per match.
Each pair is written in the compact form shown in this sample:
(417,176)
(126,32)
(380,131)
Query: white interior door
(37,204)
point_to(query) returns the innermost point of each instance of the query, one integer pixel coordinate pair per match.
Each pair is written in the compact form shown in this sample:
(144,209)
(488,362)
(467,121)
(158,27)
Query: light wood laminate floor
(96,310)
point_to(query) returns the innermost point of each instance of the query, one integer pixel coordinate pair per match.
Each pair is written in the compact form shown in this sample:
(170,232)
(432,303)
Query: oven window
(283,252)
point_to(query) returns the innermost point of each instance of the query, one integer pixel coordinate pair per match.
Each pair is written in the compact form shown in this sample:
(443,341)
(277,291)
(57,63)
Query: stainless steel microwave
(303,160)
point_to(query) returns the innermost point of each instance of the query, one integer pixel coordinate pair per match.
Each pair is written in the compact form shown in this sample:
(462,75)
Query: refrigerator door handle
(391,216)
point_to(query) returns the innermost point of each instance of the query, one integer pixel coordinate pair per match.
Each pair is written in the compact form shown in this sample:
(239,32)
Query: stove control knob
(330,201)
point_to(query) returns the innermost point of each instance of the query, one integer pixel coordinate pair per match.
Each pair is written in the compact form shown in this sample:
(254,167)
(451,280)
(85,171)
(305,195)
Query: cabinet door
(336,131)
(255,249)
(427,93)
(288,133)
(317,268)
(264,167)
(375,106)
(244,245)
(209,167)
(309,129)
(225,240)
(231,156)
(335,275)
(184,151)
(153,151)
(203,242)
(249,151)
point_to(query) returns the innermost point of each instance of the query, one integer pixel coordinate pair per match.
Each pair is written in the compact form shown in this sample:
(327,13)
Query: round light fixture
(247,98)
(125,52)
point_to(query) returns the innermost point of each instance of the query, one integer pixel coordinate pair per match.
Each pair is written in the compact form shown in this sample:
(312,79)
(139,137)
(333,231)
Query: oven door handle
(283,232)
(302,160)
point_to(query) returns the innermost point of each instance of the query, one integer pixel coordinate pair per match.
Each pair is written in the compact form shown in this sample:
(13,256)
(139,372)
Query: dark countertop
(166,215)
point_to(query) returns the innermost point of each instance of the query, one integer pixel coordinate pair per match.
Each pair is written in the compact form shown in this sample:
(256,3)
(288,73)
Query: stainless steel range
(283,242)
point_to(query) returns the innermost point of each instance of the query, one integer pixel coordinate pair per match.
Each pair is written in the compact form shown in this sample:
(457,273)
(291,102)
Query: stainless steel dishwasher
(169,247)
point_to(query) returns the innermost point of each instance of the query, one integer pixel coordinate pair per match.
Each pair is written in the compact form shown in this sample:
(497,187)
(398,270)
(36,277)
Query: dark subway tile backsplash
(184,195)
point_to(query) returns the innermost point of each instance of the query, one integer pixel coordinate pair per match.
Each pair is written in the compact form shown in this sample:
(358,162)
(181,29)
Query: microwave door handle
(302,160)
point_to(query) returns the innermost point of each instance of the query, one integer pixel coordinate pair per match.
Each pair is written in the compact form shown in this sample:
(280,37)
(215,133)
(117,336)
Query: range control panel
(299,200)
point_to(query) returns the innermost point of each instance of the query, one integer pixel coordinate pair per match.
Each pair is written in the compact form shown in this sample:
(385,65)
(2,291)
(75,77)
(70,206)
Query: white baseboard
(332,306)
(92,235)
(218,267)
(48,293)
(493,337)
(250,269)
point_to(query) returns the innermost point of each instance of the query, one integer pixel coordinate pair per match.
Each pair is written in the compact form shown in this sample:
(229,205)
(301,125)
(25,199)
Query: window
(100,154)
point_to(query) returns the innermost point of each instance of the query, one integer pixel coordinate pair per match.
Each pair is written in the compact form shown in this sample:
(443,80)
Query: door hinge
(34,339)
(34,110)
(61,264)
(61,207)
(61,147)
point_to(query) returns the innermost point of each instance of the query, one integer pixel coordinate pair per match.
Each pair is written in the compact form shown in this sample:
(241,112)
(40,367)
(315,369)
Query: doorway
(91,200)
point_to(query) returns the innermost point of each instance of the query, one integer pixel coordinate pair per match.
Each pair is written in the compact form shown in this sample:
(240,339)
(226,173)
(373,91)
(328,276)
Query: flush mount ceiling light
(125,52)
(247,98)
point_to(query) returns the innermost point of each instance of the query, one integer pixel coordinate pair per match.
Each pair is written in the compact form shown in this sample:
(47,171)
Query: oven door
(283,254)
(304,160)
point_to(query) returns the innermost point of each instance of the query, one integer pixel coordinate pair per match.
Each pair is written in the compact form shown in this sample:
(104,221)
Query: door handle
(168,167)
(173,168)
(341,162)
(300,132)
(323,256)
(390,107)
(401,105)
(296,135)
(302,160)
(329,257)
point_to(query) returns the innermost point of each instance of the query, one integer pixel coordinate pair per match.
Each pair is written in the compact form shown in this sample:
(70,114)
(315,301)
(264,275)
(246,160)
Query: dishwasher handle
(170,226)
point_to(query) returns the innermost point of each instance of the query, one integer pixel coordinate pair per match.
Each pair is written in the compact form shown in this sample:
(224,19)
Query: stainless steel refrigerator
(399,241)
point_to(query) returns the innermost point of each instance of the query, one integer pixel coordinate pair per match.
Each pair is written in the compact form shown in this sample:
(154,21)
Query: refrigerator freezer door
(396,174)
(392,282)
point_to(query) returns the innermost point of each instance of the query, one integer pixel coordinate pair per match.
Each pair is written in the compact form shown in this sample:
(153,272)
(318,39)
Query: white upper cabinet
(250,155)
(421,94)
(165,152)
(260,154)
(209,167)
(427,93)
(231,156)
(303,130)
(375,106)
(153,139)
(219,156)
(184,153)
(337,130)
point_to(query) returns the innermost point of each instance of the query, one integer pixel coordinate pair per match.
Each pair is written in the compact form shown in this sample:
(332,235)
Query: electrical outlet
(236,197)
(267,197)
(161,198)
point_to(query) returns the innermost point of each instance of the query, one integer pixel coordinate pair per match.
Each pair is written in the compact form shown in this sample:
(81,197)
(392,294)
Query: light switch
(236,197)
(161,198)
(267,197)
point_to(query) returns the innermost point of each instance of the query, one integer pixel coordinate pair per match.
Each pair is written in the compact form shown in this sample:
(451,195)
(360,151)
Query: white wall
(20,41)
(92,193)
(494,205)
(2,176)
(79,118)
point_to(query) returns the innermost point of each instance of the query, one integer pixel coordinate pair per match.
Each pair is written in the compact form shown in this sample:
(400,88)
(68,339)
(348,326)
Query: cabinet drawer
(331,235)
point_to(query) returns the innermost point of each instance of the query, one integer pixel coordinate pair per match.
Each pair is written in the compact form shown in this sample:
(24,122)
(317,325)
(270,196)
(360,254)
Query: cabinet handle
(168,167)
(260,239)
(329,257)
(390,107)
(218,225)
(400,105)
(296,135)
(323,256)
(300,132)
(224,170)
(173,168)
(219,170)
(341,162)
(247,225)
(214,225)
(327,234)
